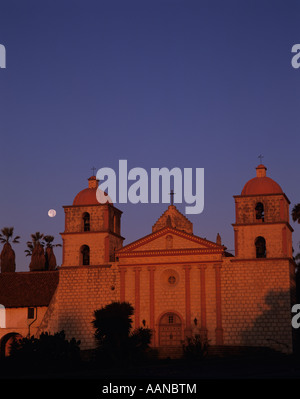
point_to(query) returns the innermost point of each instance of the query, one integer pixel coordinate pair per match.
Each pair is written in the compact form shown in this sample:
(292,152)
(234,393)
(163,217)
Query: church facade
(179,284)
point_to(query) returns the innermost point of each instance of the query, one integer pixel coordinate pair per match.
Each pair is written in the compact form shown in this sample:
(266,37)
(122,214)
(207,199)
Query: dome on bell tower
(91,195)
(261,184)
(92,228)
(262,217)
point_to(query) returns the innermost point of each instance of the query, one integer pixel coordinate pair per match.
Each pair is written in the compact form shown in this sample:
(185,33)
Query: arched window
(259,211)
(86,221)
(260,245)
(85,255)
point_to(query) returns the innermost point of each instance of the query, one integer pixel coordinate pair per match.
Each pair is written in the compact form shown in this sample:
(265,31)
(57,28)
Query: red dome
(261,184)
(86,197)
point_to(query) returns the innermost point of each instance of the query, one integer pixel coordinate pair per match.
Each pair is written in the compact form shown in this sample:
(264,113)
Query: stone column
(152,309)
(188,326)
(137,297)
(203,327)
(219,329)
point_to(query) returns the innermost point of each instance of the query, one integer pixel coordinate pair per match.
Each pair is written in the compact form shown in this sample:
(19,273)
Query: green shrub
(116,344)
(195,348)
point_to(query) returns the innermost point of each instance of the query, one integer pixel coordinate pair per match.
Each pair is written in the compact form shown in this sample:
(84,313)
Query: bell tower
(92,229)
(262,228)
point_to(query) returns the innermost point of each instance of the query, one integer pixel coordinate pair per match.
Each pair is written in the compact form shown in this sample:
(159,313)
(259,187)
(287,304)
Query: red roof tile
(24,289)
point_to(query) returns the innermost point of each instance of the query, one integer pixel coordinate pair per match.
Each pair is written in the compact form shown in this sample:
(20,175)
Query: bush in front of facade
(195,348)
(117,345)
(48,352)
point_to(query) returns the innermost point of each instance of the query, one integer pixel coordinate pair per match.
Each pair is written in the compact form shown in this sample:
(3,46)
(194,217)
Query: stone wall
(257,297)
(80,292)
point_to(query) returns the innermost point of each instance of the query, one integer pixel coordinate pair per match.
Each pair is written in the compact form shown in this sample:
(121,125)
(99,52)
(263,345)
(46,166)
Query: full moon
(52,213)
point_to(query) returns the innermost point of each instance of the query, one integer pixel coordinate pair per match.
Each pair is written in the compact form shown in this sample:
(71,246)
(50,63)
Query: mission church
(179,284)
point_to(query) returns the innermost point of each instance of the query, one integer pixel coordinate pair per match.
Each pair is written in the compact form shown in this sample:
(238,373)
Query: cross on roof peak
(172,196)
(260,157)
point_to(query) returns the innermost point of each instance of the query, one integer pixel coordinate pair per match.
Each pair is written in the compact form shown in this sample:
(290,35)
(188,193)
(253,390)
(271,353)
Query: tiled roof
(24,289)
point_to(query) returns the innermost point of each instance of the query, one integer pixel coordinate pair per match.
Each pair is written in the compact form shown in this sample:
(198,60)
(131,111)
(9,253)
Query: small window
(85,255)
(259,211)
(260,244)
(30,313)
(171,319)
(86,221)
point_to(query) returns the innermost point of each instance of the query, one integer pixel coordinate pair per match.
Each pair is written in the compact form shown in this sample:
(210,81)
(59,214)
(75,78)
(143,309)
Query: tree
(8,257)
(116,344)
(113,323)
(296,213)
(49,253)
(37,238)
(38,260)
(30,248)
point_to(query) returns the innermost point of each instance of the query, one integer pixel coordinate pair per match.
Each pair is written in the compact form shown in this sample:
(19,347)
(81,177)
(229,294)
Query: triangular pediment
(173,218)
(169,240)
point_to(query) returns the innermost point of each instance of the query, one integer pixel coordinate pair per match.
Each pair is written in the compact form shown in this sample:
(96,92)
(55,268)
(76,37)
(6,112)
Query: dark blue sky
(159,83)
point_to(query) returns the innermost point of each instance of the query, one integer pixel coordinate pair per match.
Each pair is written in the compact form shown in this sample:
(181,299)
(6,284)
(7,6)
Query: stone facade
(180,284)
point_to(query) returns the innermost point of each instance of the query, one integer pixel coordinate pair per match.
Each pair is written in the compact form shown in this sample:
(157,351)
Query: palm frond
(16,240)
(7,234)
(296,213)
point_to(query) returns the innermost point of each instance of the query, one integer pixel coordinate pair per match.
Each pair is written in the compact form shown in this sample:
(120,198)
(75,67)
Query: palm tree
(6,235)
(296,213)
(49,253)
(37,238)
(8,257)
(297,259)
(30,248)
(38,260)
